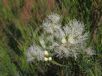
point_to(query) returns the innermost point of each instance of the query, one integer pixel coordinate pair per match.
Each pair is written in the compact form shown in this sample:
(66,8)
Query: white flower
(76,40)
(55,18)
(47,26)
(61,51)
(58,32)
(75,30)
(63,40)
(52,25)
(34,52)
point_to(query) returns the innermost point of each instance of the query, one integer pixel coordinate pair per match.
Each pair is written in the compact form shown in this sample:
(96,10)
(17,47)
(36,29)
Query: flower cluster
(62,41)
(34,52)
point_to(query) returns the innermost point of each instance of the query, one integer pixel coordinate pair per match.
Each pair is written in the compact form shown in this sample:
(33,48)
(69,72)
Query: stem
(56,63)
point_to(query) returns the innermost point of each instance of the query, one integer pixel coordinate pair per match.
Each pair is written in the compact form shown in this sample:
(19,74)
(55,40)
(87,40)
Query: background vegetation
(19,19)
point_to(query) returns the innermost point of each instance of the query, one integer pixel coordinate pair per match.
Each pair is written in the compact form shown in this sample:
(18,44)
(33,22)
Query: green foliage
(7,68)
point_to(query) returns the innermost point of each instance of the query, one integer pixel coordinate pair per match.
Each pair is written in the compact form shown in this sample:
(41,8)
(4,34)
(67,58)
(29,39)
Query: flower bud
(46,53)
(50,58)
(46,59)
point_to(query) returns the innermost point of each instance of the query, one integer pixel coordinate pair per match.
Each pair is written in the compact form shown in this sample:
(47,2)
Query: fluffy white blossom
(52,25)
(62,41)
(75,32)
(34,52)
(72,36)
(66,50)
(55,18)
(61,51)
